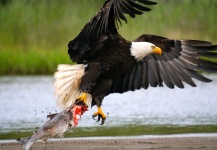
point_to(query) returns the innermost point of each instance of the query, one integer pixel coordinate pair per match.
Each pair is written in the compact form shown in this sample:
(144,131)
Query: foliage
(34,33)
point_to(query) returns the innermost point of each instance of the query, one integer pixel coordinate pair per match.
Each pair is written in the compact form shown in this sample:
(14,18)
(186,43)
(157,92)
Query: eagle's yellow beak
(157,50)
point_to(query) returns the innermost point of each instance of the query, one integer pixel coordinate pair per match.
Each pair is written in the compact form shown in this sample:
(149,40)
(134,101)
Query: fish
(56,125)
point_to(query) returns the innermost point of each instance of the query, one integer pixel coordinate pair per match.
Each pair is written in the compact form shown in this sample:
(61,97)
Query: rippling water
(25,102)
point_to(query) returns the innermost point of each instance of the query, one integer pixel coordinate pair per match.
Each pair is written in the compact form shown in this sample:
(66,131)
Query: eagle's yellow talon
(100,115)
(83,97)
(81,100)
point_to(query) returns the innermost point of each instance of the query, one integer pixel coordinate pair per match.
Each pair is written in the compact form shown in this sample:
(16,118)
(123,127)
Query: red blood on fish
(77,111)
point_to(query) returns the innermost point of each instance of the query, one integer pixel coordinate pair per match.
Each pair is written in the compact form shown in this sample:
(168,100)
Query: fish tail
(23,140)
(26,142)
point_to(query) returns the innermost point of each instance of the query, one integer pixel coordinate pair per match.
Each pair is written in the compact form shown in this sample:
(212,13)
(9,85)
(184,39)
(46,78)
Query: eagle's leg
(99,92)
(99,113)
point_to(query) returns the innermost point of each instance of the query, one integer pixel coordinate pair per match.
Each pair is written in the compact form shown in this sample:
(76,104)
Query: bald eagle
(107,63)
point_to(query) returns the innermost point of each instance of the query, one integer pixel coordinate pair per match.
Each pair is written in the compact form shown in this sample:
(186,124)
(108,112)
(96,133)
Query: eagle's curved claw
(100,115)
(99,118)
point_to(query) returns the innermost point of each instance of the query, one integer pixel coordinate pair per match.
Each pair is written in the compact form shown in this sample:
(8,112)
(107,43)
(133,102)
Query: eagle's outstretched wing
(95,31)
(180,61)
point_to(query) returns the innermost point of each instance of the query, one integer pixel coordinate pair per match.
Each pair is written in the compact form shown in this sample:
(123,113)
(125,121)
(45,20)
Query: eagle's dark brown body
(115,60)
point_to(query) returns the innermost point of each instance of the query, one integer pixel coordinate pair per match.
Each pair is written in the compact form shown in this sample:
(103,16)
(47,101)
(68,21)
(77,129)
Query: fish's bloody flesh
(77,111)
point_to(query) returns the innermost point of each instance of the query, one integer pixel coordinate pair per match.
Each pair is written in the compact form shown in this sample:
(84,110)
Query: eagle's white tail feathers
(63,84)
(67,67)
(67,82)
(63,74)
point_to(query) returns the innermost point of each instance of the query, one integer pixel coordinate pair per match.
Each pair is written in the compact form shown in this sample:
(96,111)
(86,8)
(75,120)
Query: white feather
(60,83)
(141,49)
(67,82)
(60,75)
(66,67)
(66,87)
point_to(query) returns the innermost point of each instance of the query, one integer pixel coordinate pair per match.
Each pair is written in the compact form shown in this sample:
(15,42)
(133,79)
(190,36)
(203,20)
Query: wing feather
(137,79)
(125,82)
(104,23)
(181,61)
(179,73)
(144,81)
(153,75)
(131,79)
(164,76)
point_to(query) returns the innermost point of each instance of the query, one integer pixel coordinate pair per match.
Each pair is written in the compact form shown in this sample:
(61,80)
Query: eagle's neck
(140,49)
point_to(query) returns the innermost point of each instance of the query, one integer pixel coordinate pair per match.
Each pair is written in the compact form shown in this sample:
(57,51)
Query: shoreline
(158,142)
(188,135)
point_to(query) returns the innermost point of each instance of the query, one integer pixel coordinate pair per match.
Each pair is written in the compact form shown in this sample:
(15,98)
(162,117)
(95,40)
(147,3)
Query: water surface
(27,100)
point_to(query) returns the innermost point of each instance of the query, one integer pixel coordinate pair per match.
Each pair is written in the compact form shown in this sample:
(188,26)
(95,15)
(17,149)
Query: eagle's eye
(153,46)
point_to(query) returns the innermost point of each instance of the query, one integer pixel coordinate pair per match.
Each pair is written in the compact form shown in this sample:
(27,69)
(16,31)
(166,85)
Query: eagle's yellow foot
(81,100)
(83,97)
(100,115)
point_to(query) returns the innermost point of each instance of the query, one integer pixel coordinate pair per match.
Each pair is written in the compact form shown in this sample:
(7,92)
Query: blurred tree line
(34,34)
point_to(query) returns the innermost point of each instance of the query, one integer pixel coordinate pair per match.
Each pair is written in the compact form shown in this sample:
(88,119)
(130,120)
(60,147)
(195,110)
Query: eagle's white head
(141,49)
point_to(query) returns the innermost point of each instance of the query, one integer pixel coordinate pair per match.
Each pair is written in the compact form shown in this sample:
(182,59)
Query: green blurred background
(34,33)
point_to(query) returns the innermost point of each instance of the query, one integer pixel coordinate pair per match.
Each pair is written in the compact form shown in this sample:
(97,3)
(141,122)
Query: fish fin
(51,116)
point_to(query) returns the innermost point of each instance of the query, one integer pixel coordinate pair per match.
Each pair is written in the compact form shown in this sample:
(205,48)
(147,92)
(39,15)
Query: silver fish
(56,125)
